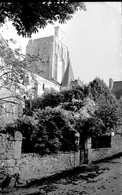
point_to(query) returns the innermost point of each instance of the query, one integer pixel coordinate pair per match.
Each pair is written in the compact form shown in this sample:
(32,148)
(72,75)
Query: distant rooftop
(116,88)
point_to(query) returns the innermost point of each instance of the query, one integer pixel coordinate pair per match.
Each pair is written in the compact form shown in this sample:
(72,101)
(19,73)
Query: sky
(93,38)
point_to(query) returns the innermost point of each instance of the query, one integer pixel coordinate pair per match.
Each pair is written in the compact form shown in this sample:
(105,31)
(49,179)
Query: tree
(108,109)
(28,16)
(13,74)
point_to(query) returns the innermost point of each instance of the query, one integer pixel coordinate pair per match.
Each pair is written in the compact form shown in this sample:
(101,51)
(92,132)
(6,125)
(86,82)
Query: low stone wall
(28,167)
(33,166)
(101,153)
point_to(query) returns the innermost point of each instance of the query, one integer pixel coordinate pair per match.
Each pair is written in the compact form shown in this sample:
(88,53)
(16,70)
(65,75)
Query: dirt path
(98,179)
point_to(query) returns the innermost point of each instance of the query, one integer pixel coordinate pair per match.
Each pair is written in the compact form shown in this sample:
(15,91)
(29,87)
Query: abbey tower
(51,54)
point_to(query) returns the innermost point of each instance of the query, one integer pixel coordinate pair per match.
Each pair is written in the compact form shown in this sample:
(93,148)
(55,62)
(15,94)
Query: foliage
(90,127)
(28,16)
(97,89)
(75,93)
(11,88)
(47,131)
(55,131)
(56,117)
(26,125)
(11,68)
(108,109)
(73,106)
(13,77)
(53,99)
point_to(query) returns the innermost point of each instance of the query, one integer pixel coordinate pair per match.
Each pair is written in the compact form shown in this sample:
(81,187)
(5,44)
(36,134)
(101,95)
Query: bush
(75,93)
(50,99)
(55,131)
(48,131)
(90,127)
(53,99)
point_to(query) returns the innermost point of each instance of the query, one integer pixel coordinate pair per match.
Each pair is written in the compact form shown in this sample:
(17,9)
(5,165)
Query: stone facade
(35,85)
(10,153)
(52,56)
(10,107)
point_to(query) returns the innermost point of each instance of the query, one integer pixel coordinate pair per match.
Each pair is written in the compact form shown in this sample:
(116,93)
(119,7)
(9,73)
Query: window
(43,87)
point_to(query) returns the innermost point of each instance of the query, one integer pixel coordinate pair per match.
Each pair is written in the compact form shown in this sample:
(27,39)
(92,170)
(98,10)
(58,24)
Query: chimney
(59,34)
(57,31)
(111,83)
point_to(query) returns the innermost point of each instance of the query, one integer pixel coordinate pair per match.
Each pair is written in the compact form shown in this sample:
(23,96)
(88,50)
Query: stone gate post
(87,150)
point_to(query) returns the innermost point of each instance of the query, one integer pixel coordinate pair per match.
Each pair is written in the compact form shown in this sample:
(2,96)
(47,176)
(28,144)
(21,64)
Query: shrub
(75,93)
(51,99)
(55,131)
(90,127)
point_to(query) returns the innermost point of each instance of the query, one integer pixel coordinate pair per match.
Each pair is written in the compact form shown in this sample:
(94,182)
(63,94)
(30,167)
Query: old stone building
(48,59)
(116,88)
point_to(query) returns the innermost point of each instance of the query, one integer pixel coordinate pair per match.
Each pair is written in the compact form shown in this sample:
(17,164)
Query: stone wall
(101,153)
(10,153)
(33,166)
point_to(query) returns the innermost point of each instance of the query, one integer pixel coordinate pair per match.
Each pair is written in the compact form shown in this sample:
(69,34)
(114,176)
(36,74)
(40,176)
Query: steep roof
(68,75)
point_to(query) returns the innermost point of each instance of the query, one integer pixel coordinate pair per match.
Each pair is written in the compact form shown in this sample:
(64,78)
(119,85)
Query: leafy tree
(108,109)
(13,76)
(11,73)
(28,16)
(96,88)
(11,67)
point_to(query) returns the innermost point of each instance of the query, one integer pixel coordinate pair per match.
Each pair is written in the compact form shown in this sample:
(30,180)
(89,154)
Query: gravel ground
(104,178)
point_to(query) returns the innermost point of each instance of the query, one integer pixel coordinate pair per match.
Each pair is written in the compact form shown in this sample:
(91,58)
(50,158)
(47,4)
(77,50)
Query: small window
(43,87)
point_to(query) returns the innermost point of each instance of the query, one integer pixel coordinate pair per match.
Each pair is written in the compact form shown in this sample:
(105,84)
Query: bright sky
(93,39)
